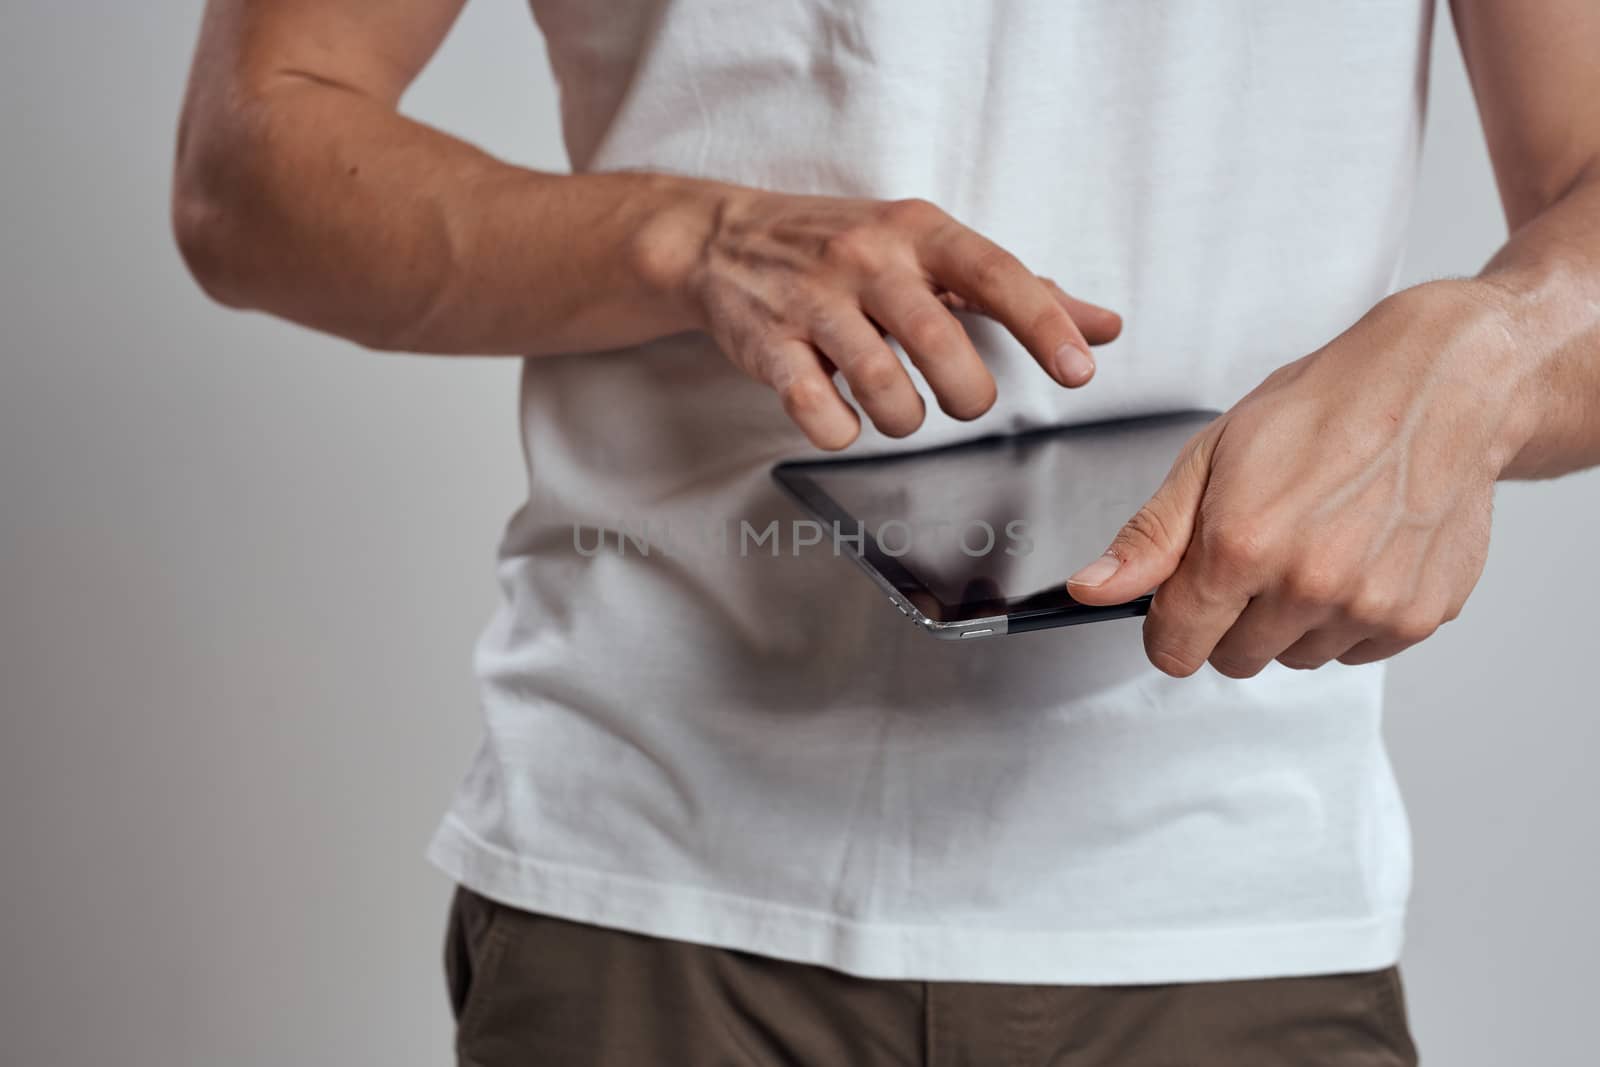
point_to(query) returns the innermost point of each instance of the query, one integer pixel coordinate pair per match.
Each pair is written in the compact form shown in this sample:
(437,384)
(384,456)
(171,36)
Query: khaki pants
(532,990)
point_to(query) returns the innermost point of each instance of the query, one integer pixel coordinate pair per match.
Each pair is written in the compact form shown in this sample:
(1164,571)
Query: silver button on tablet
(976,633)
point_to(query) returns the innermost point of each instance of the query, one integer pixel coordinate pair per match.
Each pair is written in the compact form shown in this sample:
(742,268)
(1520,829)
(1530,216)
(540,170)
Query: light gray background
(243,565)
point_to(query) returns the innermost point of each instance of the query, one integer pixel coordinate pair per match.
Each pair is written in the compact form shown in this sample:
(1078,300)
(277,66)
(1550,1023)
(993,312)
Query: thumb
(1149,547)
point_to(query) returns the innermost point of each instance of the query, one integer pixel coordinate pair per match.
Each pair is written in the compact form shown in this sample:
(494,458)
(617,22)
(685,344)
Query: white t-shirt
(759,753)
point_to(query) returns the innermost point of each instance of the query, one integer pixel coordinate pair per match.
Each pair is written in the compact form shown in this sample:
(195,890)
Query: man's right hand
(303,192)
(796,288)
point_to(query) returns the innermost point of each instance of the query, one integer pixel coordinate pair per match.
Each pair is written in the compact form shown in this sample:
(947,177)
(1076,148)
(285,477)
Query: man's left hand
(1340,511)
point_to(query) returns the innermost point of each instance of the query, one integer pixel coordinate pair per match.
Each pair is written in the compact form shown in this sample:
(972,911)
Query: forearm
(326,207)
(1547,280)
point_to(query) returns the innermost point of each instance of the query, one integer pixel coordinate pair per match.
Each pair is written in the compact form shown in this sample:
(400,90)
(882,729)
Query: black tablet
(977,539)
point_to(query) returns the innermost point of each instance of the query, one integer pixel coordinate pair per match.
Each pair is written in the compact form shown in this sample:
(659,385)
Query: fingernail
(1096,573)
(1074,365)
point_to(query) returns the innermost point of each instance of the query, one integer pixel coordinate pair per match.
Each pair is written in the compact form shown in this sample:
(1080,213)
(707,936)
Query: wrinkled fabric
(757,751)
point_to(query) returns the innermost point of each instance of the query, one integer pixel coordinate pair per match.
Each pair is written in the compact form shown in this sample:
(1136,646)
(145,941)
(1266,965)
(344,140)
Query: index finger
(983,273)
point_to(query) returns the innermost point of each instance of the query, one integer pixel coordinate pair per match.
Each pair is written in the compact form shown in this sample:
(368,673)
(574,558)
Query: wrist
(1488,348)
(1547,307)
(668,248)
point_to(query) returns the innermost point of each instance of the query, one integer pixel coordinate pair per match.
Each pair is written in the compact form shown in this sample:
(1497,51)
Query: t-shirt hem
(921,952)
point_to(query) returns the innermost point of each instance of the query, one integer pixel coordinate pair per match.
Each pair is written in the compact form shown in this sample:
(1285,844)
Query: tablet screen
(995,525)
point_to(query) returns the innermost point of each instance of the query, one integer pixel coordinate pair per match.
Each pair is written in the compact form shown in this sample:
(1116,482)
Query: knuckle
(806,397)
(1147,529)
(913,213)
(765,360)
(930,329)
(1240,547)
(994,268)
(1372,607)
(1414,627)
(1051,320)
(876,376)
(811,303)
(858,250)
(1313,582)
